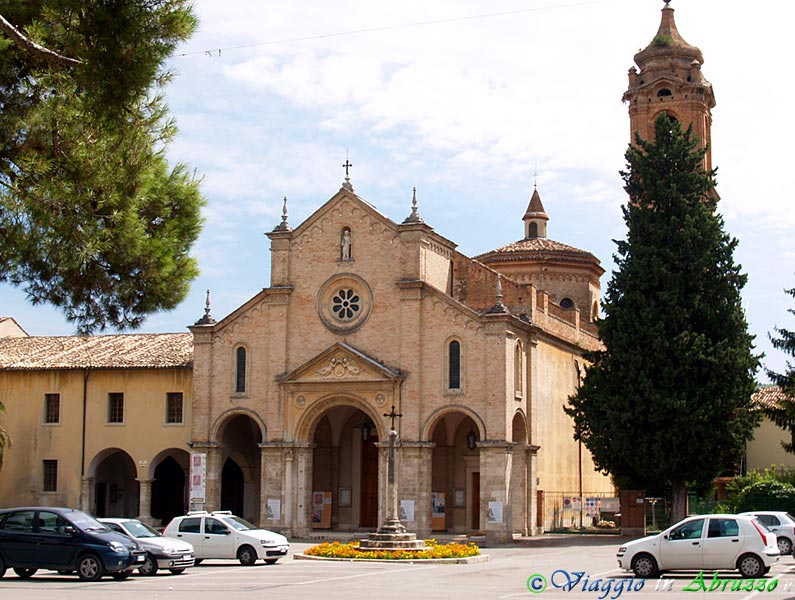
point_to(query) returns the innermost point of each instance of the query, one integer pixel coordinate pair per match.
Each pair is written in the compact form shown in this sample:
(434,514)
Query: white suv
(220,534)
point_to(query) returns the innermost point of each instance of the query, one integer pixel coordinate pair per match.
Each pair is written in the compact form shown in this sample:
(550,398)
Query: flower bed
(435,550)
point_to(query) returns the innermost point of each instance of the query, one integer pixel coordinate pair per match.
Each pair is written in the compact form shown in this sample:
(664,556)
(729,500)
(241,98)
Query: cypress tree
(667,402)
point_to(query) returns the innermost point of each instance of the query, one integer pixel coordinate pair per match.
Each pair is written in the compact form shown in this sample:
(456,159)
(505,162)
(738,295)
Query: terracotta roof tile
(536,245)
(769,397)
(128,351)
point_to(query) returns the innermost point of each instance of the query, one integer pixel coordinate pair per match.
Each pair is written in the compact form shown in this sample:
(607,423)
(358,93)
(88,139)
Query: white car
(782,524)
(220,534)
(161,552)
(704,542)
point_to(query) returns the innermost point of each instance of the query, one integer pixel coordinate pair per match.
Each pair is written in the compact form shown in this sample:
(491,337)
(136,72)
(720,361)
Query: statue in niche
(345,245)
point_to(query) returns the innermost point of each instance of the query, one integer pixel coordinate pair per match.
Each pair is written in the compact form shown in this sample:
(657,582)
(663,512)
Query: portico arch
(455,469)
(115,491)
(238,461)
(217,431)
(432,420)
(342,484)
(168,473)
(305,428)
(520,489)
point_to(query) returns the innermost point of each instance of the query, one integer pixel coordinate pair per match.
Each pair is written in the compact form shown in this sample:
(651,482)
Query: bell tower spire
(669,79)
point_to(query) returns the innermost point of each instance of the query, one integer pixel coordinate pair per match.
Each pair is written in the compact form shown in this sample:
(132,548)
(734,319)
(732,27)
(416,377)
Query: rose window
(345,304)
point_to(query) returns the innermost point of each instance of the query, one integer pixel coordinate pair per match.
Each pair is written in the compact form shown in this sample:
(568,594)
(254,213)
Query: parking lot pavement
(504,577)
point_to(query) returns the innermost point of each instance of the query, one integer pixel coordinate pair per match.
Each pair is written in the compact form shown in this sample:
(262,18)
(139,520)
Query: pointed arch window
(454,365)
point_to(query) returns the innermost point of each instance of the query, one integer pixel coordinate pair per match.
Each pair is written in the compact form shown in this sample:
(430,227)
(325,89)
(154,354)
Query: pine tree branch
(34,48)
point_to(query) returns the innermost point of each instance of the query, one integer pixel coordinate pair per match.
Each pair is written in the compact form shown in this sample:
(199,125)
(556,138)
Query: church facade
(364,314)
(281,410)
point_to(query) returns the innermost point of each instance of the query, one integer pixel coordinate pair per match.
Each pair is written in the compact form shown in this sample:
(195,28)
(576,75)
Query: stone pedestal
(392,542)
(392,535)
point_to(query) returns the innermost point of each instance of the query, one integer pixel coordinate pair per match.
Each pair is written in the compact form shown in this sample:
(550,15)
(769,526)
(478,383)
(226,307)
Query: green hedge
(766,495)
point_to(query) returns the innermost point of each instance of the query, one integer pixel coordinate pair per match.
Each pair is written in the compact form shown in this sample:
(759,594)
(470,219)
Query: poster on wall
(592,507)
(406,510)
(198,468)
(495,512)
(437,511)
(274,509)
(321,510)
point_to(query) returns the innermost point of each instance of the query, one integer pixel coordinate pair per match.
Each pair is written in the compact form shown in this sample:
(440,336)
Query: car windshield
(85,522)
(239,524)
(140,530)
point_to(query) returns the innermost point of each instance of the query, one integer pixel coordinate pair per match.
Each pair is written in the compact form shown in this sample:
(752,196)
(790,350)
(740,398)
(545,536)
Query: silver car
(161,552)
(782,524)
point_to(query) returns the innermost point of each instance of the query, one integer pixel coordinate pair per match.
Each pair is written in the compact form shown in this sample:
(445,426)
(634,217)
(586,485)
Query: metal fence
(657,514)
(572,512)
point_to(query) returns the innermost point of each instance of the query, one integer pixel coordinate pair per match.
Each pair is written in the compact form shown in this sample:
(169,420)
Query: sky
(472,103)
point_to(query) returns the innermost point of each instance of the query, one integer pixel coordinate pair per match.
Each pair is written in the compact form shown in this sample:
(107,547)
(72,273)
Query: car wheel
(784,546)
(198,561)
(246,555)
(750,566)
(24,573)
(121,575)
(644,566)
(177,571)
(271,561)
(90,568)
(2,566)
(149,567)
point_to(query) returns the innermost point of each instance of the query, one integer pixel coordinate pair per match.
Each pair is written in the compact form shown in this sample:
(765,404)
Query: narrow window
(517,370)
(174,407)
(50,468)
(115,407)
(454,371)
(240,370)
(52,408)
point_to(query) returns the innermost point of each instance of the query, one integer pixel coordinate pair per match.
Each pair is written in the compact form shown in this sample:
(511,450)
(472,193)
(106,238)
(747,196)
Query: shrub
(766,495)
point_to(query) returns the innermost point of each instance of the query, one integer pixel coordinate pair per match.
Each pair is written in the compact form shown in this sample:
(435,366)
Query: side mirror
(70,530)
(665,537)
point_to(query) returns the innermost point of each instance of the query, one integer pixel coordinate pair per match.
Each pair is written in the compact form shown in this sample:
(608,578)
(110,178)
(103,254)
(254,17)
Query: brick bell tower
(669,79)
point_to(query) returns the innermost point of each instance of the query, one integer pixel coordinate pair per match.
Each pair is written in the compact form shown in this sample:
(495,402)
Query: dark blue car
(65,540)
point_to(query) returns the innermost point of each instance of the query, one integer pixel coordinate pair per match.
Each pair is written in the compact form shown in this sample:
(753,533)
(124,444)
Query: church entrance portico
(344,474)
(455,472)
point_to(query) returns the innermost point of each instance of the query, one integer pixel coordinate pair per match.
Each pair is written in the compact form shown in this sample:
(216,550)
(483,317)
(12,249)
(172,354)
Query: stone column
(415,477)
(532,490)
(145,501)
(519,489)
(86,483)
(495,472)
(301,476)
(212,467)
